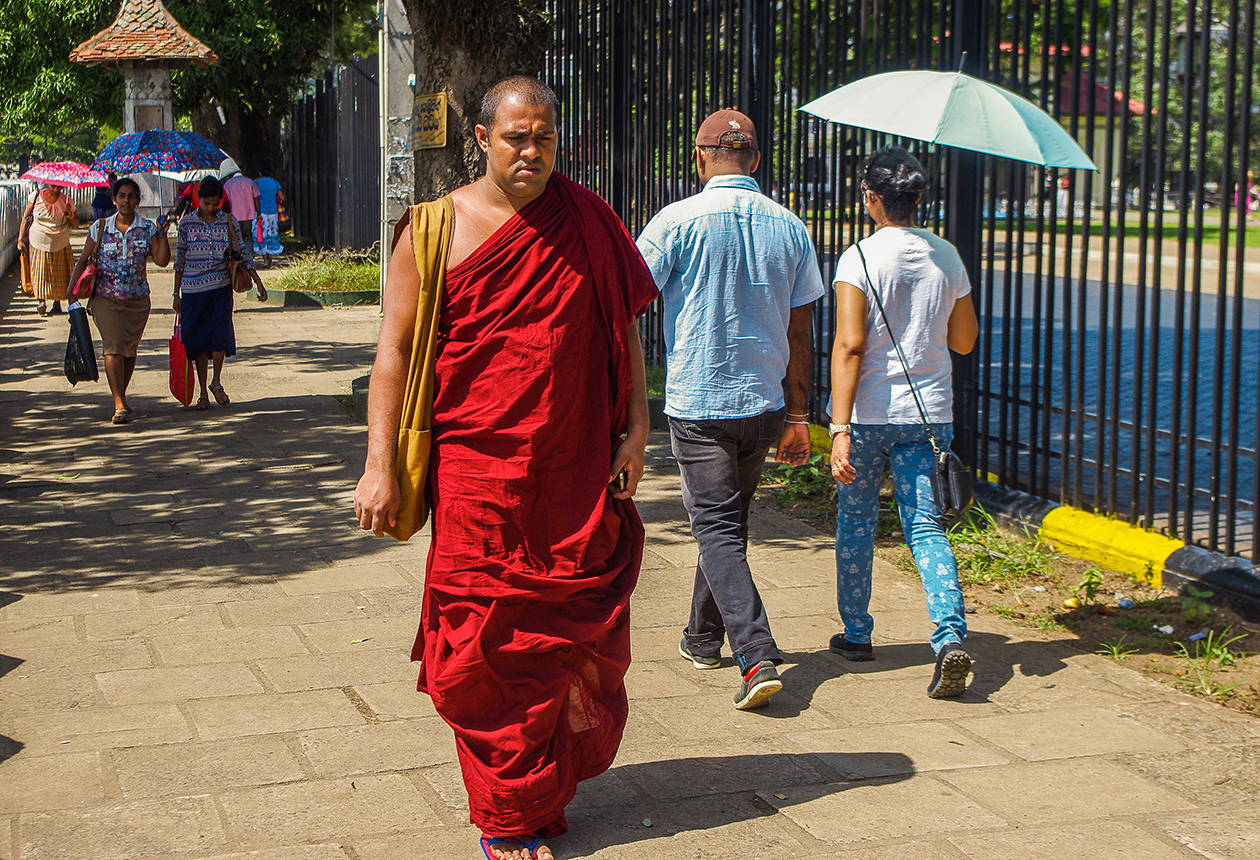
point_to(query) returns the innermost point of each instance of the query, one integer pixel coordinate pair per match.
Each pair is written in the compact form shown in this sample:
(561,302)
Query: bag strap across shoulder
(905,366)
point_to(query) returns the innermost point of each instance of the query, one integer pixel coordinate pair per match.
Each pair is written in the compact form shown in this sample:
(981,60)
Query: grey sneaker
(950,678)
(761,682)
(697,661)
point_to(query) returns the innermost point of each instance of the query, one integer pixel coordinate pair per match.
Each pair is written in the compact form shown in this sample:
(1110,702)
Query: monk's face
(521,147)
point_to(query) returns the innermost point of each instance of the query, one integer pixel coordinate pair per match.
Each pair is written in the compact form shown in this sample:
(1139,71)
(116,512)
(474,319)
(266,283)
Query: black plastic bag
(80,353)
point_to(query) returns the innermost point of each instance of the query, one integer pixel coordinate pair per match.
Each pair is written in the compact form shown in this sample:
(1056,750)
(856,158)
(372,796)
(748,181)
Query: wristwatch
(836,429)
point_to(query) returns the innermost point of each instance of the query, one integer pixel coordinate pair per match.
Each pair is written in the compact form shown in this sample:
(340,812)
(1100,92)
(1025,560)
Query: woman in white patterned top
(123,244)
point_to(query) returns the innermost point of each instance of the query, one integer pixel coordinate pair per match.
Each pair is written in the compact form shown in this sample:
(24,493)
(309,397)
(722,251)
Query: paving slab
(202,657)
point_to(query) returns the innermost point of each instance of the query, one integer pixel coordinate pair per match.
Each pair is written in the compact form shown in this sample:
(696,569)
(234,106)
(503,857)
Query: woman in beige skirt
(46,225)
(123,244)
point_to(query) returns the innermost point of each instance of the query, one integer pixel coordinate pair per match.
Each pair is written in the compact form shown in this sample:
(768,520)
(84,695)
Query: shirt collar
(732,180)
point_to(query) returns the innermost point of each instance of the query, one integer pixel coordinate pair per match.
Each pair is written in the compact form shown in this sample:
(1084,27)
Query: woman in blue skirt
(203,289)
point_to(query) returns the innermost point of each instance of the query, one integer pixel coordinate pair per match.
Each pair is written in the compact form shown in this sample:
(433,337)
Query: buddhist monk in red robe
(539,426)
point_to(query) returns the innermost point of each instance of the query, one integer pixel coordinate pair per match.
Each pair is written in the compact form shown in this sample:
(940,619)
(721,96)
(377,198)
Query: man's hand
(841,469)
(794,445)
(176,303)
(629,456)
(376,502)
(21,245)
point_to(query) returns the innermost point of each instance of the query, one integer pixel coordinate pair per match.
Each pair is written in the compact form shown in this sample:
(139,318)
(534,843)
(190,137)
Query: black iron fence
(1117,365)
(332,148)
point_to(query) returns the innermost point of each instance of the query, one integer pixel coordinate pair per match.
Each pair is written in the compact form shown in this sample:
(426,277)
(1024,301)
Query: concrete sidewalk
(203,657)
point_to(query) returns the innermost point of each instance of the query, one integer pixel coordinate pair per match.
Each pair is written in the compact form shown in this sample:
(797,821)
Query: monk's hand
(841,469)
(629,456)
(376,502)
(794,445)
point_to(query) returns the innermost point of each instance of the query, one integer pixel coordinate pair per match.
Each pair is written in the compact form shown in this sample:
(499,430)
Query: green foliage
(812,480)
(1089,585)
(1114,650)
(56,108)
(1210,654)
(1194,605)
(986,554)
(655,380)
(331,272)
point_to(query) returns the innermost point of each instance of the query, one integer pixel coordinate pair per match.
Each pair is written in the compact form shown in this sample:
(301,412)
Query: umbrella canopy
(67,174)
(158,149)
(225,169)
(953,109)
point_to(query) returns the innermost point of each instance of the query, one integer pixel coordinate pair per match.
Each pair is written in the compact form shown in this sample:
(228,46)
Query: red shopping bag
(183,380)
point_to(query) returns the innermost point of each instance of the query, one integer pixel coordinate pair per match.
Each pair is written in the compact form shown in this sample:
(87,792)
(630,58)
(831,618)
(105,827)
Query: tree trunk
(461,49)
(252,139)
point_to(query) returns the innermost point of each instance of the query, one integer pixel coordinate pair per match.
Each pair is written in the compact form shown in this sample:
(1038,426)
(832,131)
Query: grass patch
(655,380)
(987,554)
(331,272)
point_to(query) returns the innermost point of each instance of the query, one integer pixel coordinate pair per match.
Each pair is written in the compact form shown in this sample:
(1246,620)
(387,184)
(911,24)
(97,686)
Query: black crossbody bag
(952,484)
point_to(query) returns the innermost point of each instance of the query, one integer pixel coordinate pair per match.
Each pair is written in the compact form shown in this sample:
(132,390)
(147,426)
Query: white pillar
(147,105)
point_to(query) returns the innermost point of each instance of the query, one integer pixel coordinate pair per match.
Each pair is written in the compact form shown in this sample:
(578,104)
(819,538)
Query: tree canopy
(267,50)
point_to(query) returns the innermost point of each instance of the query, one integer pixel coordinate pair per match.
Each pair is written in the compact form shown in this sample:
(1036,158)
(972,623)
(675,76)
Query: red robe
(524,635)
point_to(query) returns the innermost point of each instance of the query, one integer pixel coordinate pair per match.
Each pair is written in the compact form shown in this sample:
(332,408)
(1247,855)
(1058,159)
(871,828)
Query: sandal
(121,416)
(220,396)
(202,405)
(43,309)
(488,841)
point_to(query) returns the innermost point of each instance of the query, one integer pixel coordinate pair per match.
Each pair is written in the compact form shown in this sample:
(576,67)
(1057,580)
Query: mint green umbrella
(953,109)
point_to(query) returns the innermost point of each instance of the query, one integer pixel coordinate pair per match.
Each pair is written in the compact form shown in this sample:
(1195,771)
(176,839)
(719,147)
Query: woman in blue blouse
(123,245)
(203,290)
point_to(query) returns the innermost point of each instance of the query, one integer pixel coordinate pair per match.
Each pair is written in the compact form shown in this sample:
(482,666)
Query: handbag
(182,382)
(952,483)
(238,272)
(28,285)
(83,287)
(431,227)
(80,353)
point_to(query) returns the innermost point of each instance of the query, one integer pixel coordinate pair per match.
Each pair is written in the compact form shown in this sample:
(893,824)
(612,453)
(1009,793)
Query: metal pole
(382,87)
(963,222)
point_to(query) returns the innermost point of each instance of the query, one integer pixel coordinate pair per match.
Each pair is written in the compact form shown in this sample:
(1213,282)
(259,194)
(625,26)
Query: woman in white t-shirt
(926,296)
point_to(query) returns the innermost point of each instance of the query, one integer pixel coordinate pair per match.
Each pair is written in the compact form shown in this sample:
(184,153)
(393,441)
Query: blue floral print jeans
(904,447)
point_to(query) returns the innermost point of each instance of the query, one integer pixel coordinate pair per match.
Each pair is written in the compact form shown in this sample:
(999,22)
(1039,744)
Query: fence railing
(332,148)
(1116,368)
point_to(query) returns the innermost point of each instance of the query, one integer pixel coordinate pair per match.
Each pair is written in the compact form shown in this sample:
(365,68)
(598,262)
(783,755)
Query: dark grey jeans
(720,463)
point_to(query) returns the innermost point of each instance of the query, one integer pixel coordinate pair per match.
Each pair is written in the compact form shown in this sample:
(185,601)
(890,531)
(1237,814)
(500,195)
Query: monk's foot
(515,848)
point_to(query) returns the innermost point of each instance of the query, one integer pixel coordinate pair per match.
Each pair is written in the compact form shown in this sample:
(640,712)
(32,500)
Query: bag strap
(905,366)
(100,236)
(232,236)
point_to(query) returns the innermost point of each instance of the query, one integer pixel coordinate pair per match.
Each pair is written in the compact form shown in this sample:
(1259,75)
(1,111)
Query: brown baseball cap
(727,129)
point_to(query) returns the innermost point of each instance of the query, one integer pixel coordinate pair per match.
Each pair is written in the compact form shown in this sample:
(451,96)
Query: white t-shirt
(919,276)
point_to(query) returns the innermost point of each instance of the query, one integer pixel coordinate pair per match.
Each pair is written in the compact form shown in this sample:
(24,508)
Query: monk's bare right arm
(377,499)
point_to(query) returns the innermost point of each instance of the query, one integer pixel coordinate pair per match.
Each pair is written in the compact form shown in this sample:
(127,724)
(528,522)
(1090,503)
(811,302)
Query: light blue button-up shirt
(730,264)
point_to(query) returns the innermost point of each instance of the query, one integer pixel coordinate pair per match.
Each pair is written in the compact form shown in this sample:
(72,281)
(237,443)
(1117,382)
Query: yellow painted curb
(1109,543)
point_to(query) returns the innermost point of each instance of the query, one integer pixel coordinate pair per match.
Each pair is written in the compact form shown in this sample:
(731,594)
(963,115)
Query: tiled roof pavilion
(144,35)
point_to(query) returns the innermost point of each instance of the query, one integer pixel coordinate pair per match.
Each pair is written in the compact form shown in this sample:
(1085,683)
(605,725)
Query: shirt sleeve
(849,271)
(94,231)
(655,246)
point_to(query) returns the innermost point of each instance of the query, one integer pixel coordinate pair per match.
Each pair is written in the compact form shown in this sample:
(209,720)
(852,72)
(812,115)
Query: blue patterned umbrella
(158,149)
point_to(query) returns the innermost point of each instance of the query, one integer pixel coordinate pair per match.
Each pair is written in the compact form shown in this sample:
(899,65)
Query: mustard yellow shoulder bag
(431,227)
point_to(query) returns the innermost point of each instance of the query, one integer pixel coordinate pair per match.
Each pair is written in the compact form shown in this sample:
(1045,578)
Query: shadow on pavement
(705,793)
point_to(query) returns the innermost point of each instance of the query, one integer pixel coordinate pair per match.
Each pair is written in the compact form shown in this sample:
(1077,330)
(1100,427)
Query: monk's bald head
(525,90)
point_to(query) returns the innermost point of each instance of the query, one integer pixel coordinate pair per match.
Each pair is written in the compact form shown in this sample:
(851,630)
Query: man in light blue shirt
(738,275)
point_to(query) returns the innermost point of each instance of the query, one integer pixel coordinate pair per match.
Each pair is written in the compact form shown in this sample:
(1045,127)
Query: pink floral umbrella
(68,174)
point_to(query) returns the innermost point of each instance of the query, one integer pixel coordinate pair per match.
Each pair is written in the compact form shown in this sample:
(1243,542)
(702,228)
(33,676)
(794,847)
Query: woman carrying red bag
(122,245)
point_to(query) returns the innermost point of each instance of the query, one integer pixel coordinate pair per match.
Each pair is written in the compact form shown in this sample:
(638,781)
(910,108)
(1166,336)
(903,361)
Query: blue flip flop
(487,841)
